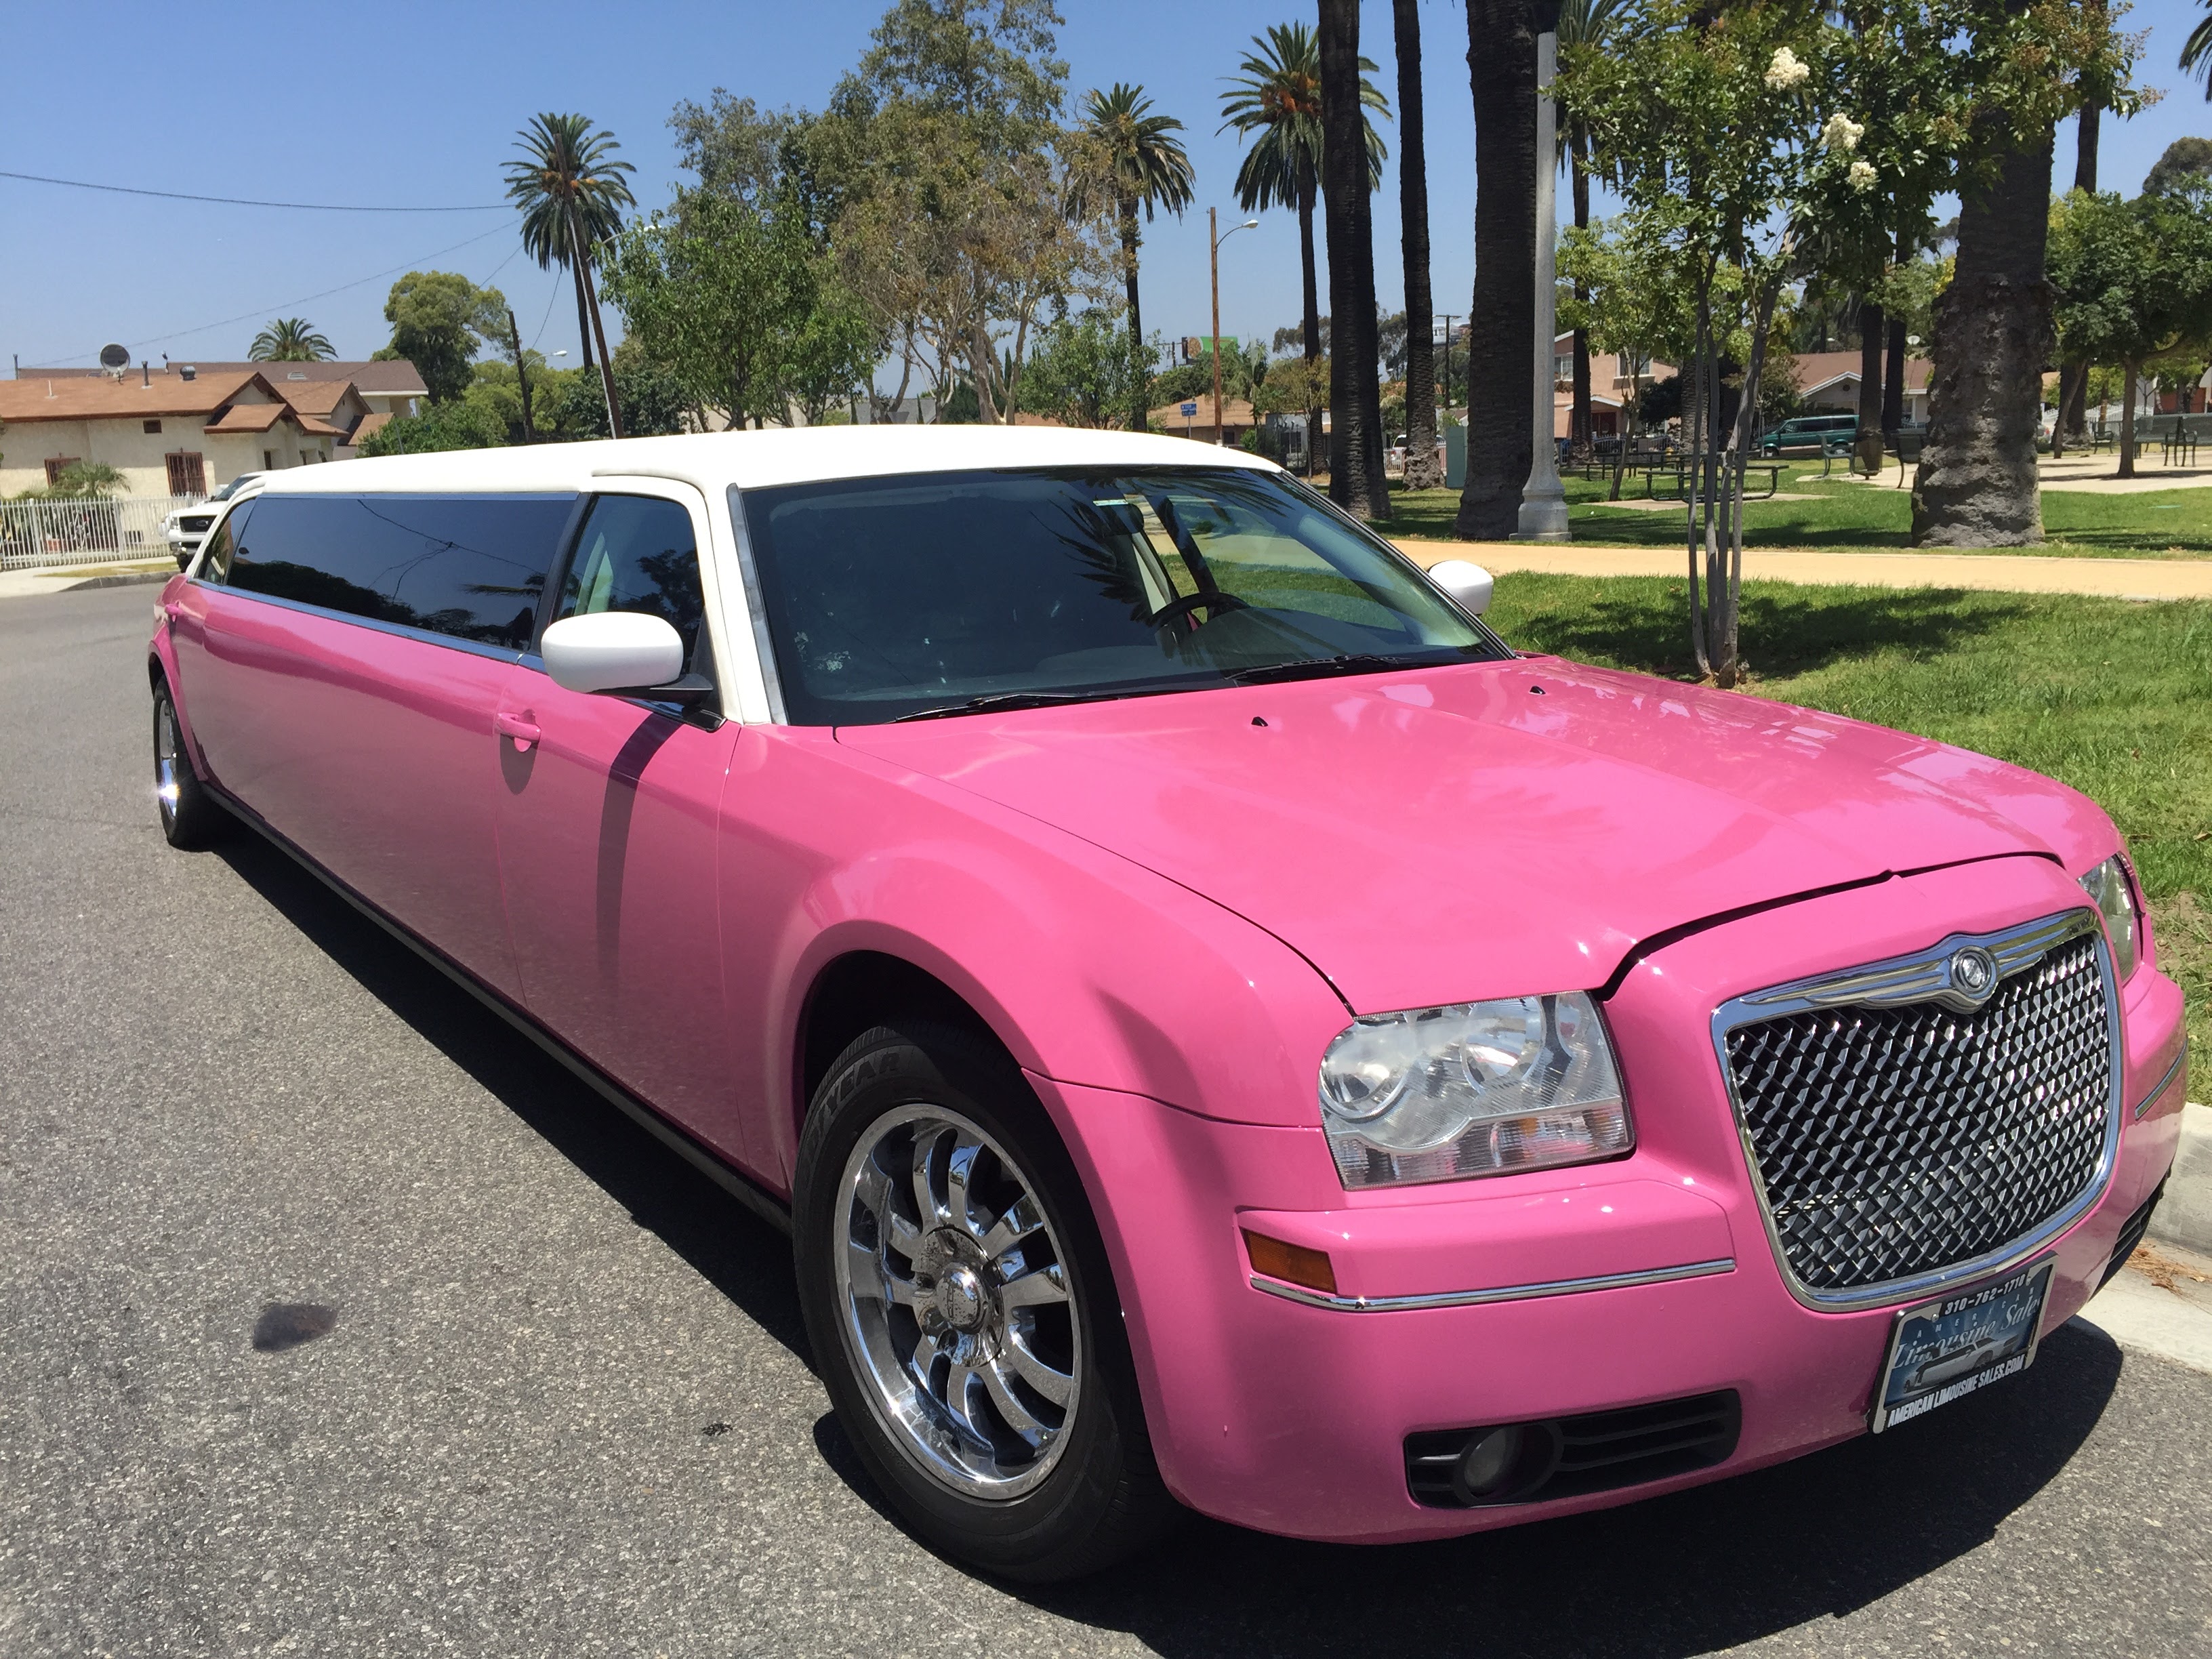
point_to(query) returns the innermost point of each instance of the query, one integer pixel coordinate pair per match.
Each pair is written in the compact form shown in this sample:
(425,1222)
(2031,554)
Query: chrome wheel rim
(958,1314)
(165,758)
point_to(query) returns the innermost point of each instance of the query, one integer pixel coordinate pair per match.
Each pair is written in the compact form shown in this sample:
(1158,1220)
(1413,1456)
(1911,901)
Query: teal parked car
(1810,435)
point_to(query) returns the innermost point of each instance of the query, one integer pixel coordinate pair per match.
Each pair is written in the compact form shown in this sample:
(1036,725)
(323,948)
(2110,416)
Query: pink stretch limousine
(1219,1026)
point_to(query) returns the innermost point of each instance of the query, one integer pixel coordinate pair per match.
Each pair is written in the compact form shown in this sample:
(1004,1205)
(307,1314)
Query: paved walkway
(2007,573)
(20,584)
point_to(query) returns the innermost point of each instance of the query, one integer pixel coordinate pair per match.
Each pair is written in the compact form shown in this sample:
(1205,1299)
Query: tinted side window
(470,565)
(637,553)
(214,557)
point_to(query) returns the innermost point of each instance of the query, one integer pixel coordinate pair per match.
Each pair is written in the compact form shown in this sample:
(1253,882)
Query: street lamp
(1544,500)
(1249,224)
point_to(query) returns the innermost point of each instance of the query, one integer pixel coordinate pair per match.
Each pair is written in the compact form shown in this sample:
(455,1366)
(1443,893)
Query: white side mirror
(1468,582)
(612,651)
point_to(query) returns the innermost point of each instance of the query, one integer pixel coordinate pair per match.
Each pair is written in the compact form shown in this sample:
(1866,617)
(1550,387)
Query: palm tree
(1422,472)
(572,196)
(1143,165)
(1501,325)
(290,340)
(1278,97)
(2196,51)
(1349,154)
(1583,23)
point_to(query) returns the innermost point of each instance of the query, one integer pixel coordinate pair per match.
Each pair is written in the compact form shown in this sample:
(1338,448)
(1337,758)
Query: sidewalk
(2003,572)
(24,584)
(2161,1305)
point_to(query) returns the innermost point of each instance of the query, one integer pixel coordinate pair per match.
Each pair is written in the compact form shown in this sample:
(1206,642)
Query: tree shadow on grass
(1689,1573)
(725,1243)
(1786,630)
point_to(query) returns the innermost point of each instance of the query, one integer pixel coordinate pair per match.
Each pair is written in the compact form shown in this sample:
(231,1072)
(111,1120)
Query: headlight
(1475,1089)
(2108,885)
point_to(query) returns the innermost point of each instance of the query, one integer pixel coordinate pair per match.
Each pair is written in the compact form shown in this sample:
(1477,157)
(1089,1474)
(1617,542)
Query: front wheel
(190,817)
(961,1312)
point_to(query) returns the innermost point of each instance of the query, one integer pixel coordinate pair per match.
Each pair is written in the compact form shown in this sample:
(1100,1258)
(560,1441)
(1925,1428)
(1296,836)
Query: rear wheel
(962,1314)
(190,817)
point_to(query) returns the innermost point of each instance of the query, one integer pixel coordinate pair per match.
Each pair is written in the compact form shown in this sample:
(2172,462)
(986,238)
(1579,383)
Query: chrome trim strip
(757,608)
(2180,1060)
(1503,1293)
(2016,949)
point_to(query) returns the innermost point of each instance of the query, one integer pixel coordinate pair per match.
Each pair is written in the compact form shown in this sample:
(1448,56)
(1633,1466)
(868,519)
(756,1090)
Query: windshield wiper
(1323,667)
(998,699)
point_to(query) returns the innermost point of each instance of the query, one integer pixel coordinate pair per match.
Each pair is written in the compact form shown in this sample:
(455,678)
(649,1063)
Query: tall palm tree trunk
(1579,423)
(583,307)
(1356,480)
(1501,325)
(1311,321)
(1422,471)
(1140,386)
(1977,485)
(2074,373)
(1874,337)
(582,256)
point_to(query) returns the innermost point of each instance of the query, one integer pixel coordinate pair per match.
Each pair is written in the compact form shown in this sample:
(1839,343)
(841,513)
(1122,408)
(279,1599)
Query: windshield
(901,597)
(232,488)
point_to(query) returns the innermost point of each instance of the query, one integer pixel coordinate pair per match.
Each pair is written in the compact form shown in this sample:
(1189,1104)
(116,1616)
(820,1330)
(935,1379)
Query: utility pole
(1448,316)
(522,375)
(1544,500)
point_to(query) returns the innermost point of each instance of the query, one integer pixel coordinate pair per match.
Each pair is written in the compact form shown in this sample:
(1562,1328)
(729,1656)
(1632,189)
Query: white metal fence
(85,529)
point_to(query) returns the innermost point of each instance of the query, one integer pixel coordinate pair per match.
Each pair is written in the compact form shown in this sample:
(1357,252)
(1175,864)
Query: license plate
(1944,1350)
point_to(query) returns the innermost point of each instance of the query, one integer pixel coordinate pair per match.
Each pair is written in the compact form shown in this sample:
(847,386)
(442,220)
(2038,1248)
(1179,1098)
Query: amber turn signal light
(1293,1263)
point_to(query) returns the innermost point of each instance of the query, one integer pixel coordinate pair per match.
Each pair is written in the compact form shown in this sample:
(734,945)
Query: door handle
(520,727)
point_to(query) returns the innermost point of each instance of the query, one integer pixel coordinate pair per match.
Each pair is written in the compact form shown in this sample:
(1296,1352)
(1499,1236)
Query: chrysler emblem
(1974,974)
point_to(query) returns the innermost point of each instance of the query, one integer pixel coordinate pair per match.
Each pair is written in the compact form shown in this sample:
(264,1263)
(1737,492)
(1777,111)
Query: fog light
(1487,1466)
(1506,1464)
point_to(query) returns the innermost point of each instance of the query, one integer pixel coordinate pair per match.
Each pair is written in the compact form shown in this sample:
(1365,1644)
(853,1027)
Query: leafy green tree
(1135,158)
(439,320)
(654,405)
(1627,292)
(2196,50)
(2135,282)
(290,340)
(459,423)
(1275,104)
(1086,371)
(1582,24)
(571,192)
(2185,159)
(95,479)
(721,296)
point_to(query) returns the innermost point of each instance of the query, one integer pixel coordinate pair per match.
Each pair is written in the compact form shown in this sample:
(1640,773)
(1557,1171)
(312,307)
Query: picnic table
(1684,469)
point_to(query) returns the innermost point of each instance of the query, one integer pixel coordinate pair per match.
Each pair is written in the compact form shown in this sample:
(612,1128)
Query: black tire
(1100,1499)
(190,819)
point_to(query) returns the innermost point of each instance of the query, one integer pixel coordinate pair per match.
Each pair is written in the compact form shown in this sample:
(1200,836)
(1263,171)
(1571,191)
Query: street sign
(1191,408)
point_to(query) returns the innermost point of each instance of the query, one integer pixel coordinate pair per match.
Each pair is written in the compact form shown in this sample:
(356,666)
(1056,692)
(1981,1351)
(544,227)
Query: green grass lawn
(2113,697)
(1862,518)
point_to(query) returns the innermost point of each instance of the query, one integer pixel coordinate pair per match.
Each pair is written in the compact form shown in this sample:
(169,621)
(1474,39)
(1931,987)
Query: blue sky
(416,105)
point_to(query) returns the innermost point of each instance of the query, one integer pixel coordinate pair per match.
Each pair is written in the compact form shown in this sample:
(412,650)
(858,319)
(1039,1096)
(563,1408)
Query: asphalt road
(563,1406)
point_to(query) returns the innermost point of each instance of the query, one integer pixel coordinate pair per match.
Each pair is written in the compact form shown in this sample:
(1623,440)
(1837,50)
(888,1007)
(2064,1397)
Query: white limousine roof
(754,460)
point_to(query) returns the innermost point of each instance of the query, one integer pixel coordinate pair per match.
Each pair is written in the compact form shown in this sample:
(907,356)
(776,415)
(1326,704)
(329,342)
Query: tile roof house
(168,434)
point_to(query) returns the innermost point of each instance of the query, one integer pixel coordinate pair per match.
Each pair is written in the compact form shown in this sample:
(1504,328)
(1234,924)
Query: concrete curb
(2184,1215)
(137,579)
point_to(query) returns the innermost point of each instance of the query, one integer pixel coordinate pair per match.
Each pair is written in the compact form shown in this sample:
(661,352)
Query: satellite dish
(114,356)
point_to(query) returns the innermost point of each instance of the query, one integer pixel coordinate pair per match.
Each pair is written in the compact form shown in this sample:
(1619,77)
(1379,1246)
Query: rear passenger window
(473,566)
(637,554)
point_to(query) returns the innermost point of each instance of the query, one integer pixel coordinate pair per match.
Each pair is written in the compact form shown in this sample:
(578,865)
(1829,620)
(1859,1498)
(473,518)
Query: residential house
(1613,380)
(168,434)
(381,388)
(1828,383)
(1236,419)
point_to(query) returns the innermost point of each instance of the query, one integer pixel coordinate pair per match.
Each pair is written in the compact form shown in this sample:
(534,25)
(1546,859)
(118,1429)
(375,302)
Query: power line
(281,305)
(241,201)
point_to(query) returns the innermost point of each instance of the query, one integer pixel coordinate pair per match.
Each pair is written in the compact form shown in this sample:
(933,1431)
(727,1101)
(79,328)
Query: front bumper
(1548,1295)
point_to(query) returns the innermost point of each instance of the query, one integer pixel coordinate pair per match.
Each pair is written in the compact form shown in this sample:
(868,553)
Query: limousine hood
(1497,829)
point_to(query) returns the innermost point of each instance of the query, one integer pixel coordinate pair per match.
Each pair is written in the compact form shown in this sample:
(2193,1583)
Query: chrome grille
(1895,1140)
